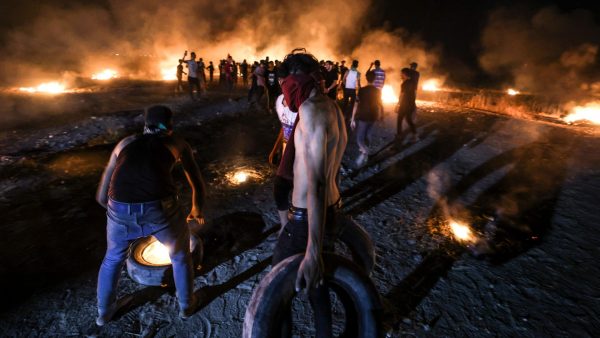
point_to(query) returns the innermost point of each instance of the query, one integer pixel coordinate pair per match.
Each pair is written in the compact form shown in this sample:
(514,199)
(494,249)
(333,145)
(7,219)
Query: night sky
(453,29)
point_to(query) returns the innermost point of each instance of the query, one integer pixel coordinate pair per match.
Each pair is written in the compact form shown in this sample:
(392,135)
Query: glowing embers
(242,175)
(461,232)
(106,74)
(432,85)
(155,253)
(45,88)
(512,92)
(388,95)
(588,112)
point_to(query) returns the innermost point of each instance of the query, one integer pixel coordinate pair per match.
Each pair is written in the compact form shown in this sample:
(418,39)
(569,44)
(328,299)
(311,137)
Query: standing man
(407,105)
(313,158)
(244,72)
(415,75)
(179,74)
(193,81)
(367,109)
(379,74)
(202,74)
(140,196)
(259,90)
(331,80)
(351,82)
(211,71)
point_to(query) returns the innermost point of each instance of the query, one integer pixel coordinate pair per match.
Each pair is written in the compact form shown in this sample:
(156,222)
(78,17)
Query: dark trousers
(194,82)
(349,99)
(293,240)
(409,117)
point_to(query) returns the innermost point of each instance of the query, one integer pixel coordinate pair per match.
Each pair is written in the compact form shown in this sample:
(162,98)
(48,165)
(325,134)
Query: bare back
(320,140)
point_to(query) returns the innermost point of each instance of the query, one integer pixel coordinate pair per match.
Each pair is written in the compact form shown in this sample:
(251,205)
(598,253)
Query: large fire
(588,112)
(106,74)
(431,85)
(168,74)
(46,88)
(156,253)
(388,95)
(461,231)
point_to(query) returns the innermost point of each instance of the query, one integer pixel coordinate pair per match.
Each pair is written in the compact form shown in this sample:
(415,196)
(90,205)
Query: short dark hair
(377,63)
(354,63)
(159,116)
(414,65)
(299,61)
(370,76)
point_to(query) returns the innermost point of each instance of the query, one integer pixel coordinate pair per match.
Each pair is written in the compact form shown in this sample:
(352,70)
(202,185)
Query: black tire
(359,242)
(353,286)
(149,274)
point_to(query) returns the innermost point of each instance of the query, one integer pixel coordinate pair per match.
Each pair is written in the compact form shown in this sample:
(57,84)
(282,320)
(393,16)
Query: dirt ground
(529,189)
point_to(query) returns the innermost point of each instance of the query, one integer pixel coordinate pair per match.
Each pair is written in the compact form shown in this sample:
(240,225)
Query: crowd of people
(138,190)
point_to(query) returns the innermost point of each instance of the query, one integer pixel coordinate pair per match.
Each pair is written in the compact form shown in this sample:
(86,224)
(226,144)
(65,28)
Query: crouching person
(138,191)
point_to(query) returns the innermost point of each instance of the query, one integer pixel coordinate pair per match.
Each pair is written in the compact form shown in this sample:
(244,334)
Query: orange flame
(388,95)
(431,85)
(106,74)
(46,88)
(512,92)
(588,112)
(461,231)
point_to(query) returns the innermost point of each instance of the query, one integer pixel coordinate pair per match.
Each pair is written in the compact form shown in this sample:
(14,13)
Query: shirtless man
(140,197)
(319,141)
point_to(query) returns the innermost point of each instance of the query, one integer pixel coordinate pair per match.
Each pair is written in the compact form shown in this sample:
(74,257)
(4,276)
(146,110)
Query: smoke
(141,38)
(546,52)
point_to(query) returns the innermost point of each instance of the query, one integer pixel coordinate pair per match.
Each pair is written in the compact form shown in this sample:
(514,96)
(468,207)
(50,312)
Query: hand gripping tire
(359,242)
(149,274)
(354,288)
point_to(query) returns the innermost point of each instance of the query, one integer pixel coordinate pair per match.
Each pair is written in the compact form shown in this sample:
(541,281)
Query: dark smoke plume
(546,52)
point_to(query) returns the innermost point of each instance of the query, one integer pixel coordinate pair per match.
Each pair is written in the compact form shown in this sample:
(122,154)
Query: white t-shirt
(351,78)
(286,117)
(192,68)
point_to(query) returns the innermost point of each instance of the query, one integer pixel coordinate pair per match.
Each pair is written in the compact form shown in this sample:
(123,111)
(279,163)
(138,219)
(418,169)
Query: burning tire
(359,242)
(147,268)
(276,290)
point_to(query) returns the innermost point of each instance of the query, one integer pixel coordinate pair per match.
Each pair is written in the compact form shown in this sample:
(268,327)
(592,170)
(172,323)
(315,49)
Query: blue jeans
(164,220)
(362,135)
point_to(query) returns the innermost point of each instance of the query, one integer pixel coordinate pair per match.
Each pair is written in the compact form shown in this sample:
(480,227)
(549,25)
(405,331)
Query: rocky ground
(529,189)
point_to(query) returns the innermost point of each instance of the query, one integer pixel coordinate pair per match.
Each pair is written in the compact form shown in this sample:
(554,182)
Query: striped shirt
(379,78)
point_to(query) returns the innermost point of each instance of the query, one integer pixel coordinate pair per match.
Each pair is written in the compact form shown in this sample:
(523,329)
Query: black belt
(301,214)
(139,208)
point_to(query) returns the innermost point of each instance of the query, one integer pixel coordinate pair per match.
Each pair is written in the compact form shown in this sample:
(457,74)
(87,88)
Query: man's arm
(314,144)
(354,109)
(192,172)
(102,192)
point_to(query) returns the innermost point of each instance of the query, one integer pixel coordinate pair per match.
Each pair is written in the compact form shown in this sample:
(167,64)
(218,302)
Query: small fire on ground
(45,88)
(241,176)
(462,232)
(156,253)
(106,74)
(512,92)
(588,112)
(388,95)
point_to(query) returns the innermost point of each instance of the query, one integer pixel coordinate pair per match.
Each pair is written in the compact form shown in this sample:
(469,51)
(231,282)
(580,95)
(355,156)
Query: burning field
(486,225)
(487,221)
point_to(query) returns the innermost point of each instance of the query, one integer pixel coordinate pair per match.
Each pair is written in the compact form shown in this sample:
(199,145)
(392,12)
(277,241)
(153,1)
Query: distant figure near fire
(312,158)
(140,196)
(192,74)
(180,73)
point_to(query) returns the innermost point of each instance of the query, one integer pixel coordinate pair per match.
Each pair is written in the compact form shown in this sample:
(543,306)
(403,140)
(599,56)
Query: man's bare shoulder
(318,107)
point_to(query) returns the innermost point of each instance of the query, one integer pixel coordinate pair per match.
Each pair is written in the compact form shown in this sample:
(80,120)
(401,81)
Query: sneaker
(101,320)
(187,313)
